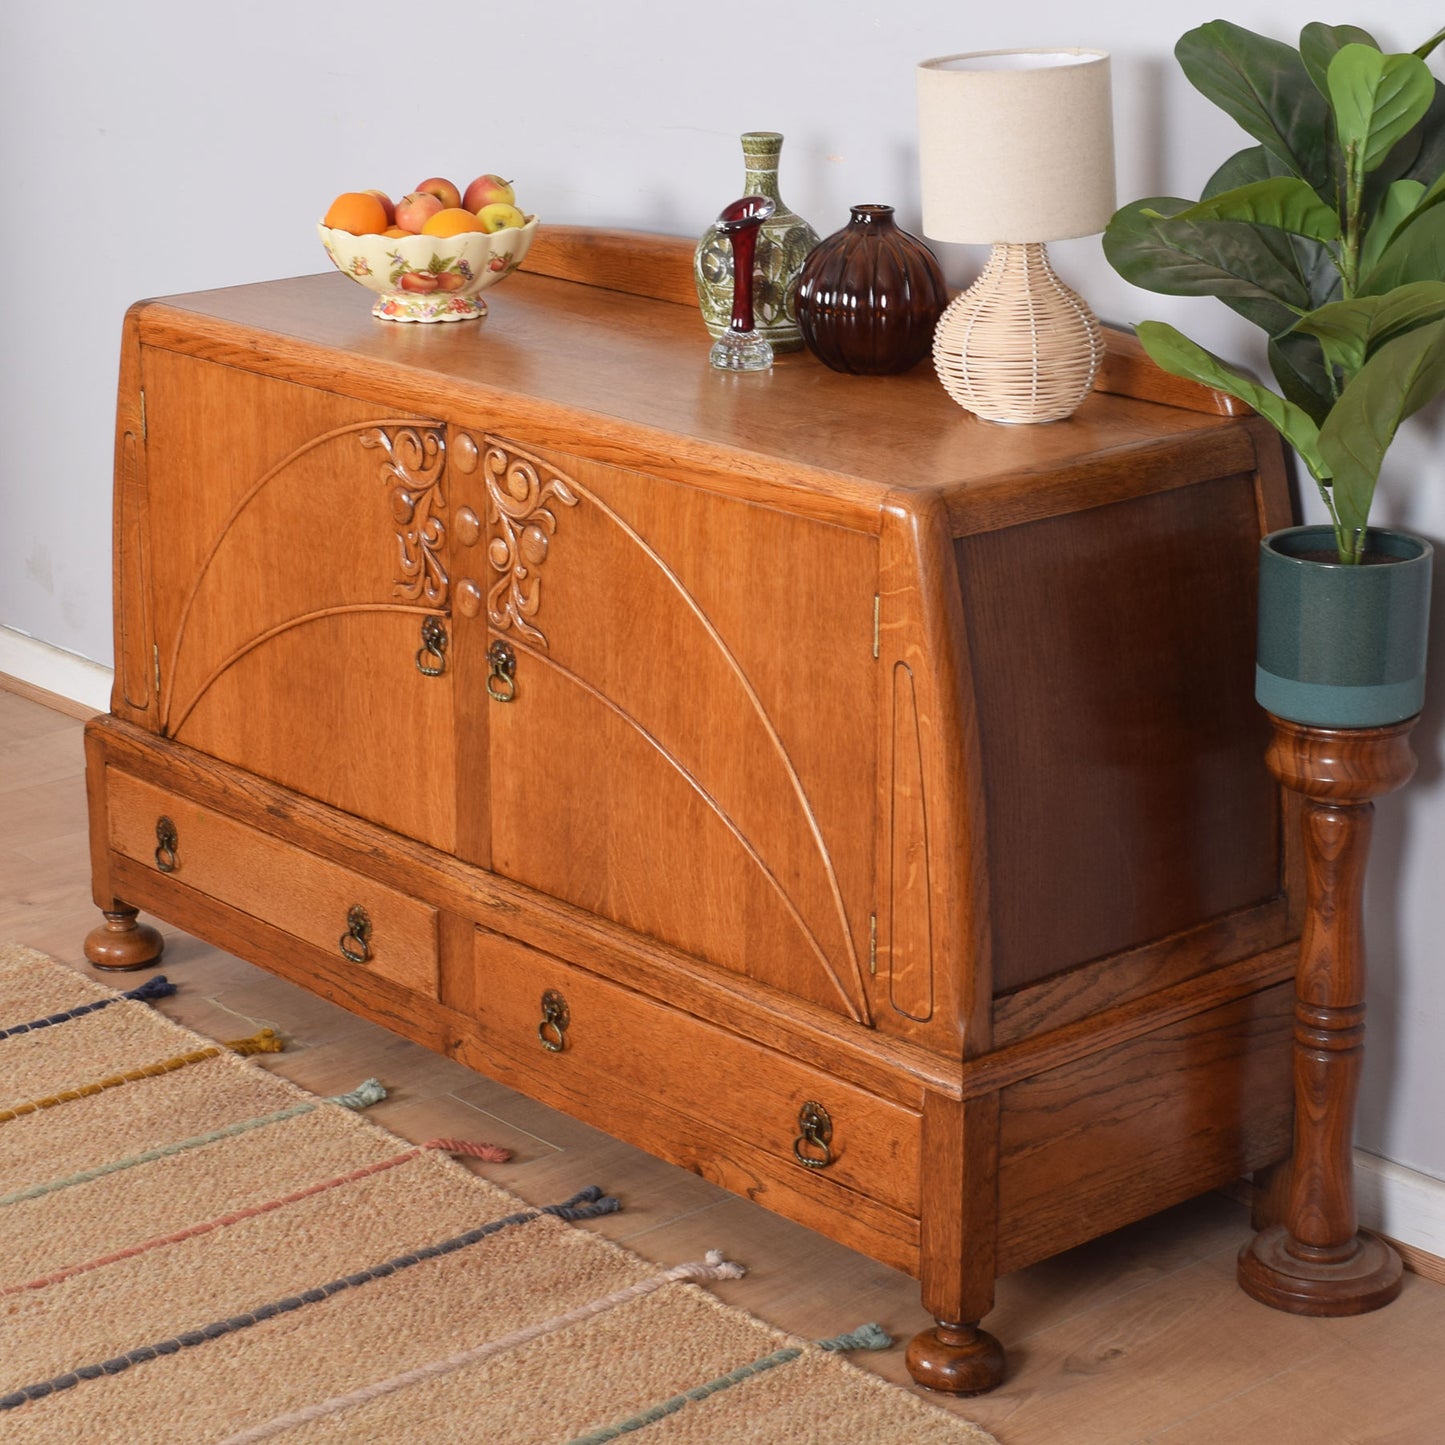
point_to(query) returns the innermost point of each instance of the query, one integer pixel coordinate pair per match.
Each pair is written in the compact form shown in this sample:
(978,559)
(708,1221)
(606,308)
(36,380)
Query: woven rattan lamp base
(1018,345)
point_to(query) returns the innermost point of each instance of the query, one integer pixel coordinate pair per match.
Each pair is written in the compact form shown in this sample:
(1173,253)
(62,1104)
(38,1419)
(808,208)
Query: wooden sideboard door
(681,714)
(299,589)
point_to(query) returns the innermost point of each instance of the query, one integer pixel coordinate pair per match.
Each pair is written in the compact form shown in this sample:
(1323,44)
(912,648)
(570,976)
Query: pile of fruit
(434,208)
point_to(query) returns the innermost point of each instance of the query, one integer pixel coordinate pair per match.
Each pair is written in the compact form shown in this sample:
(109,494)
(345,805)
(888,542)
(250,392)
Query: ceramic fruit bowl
(429,278)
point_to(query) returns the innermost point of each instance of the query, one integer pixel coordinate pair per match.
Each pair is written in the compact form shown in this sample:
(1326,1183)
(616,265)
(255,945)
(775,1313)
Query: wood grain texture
(833,729)
(1142,1333)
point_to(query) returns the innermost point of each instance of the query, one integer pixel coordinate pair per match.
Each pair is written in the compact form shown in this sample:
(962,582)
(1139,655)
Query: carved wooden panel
(300,545)
(691,748)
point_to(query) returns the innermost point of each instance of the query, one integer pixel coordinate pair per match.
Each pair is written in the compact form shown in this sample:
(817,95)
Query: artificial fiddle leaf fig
(1350,330)
(1284,203)
(1264,85)
(1319,44)
(1329,234)
(1377,100)
(1176,353)
(1395,382)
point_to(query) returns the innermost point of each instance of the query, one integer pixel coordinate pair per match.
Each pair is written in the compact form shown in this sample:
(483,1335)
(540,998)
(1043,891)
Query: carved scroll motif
(519,490)
(413,467)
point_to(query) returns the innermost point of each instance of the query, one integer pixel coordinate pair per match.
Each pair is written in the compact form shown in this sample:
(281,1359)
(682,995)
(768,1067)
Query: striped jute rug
(193,1249)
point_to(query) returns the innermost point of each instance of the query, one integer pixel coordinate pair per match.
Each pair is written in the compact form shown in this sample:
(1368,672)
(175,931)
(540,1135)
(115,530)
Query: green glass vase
(783,245)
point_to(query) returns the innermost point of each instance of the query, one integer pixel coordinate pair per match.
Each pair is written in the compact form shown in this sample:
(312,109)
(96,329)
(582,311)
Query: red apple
(419,281)
(487,190)
(415,210)
(443,190)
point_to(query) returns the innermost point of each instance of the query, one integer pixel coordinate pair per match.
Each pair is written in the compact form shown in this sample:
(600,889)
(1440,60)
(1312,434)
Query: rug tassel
(714,1266)
(153,988)
(266,1042)
(865,1337)
(491,1153)
(589,1203)
(363,1096)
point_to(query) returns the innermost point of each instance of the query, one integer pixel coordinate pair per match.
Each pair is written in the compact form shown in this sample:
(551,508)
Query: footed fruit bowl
(429,278)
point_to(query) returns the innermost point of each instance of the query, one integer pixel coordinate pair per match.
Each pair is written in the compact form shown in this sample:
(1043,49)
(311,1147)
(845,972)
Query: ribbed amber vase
(870,295)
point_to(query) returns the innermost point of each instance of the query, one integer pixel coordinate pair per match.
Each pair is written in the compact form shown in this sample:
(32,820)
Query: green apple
(500,216)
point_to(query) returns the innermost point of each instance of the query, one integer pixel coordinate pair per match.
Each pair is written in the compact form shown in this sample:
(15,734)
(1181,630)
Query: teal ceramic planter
(1342,646)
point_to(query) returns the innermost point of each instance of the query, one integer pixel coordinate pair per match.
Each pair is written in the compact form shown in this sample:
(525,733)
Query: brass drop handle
(166,844)
(816,1135)
(431,658)
(355,943)
(502,672)
(552,1030)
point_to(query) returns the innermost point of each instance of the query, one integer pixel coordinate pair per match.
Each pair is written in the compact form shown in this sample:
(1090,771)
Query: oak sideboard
(854,802)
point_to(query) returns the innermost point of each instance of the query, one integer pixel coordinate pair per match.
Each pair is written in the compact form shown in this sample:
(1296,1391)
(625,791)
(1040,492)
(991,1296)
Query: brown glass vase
(870,295)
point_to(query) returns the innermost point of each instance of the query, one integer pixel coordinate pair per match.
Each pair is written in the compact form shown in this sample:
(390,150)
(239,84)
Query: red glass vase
(870,295)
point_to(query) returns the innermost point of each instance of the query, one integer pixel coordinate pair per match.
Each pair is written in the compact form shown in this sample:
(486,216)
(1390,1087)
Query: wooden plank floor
(1141,1336)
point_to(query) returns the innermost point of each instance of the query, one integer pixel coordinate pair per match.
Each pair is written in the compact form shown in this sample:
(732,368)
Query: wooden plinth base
(956,1360)
(121,945)
(1367,1276)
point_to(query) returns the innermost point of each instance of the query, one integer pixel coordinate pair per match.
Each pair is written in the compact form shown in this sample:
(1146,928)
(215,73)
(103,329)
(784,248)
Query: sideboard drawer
(322,903)
(611,1040)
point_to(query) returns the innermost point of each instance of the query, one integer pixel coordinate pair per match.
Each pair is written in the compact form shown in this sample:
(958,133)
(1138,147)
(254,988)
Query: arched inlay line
(301,620)
(859,1001)
(721,813)
(169,678)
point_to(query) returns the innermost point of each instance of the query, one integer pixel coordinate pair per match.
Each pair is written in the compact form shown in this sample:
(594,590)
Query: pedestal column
(1317,1261)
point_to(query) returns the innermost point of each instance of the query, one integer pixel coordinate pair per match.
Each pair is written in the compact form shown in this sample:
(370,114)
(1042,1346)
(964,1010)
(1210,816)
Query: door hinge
(877,623)
(143,414)
(873,945)
(156,667)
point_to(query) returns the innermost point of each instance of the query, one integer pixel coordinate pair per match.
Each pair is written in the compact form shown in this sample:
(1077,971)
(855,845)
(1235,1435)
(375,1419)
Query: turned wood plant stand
(1317,1261)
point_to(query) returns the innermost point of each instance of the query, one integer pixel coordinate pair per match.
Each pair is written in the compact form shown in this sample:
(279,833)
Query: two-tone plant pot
(1342,646)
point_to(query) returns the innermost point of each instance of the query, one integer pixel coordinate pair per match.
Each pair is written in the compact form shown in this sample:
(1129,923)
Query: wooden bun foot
(1364,1275)
(121,944)
(956,1359)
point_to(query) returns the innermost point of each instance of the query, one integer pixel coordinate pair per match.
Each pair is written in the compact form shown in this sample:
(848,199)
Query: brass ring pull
(355,943)
(166,844)
(555,1018)
(502,672)
(817,1134)
(431,659)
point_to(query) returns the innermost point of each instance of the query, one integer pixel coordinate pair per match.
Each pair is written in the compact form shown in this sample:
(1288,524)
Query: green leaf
(1180,356)
(1350,330)
(1207,258)
(1319,44)
(1415,253)
(1264,85)
(1298,364)
(1400,202)
(1285,203)
(1423,51)
(1400,378)
(1377,99)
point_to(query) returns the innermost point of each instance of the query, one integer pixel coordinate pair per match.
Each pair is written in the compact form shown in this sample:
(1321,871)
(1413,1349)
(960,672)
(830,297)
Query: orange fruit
(395,231)
(358,212)
(453,221)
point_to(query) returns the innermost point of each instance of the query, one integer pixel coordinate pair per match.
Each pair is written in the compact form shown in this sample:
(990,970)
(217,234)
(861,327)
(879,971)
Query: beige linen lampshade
(1016,148)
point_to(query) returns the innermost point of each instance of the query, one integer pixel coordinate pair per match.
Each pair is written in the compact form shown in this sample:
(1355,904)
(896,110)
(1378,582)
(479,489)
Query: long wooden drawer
(394,936)
(613,1041)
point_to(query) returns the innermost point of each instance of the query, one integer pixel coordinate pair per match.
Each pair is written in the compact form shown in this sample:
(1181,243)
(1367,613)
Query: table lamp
(1016,148)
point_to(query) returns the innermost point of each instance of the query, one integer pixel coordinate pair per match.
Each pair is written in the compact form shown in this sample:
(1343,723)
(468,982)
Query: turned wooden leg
(120,943)
(1317,1262)
(956,1359)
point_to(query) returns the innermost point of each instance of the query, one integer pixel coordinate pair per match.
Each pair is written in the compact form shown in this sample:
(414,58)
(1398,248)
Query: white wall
(166,146)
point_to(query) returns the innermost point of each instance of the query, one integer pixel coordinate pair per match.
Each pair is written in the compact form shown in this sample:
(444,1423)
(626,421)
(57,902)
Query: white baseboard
(1400,1203)
(52,669)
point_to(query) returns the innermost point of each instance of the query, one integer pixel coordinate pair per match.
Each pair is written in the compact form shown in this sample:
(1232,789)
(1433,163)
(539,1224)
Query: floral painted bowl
(429,278)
